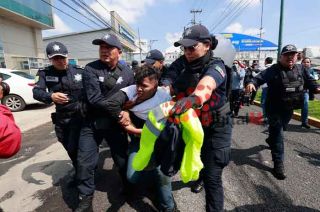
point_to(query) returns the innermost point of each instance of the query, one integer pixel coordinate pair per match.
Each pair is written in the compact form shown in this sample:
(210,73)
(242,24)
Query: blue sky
(163,20)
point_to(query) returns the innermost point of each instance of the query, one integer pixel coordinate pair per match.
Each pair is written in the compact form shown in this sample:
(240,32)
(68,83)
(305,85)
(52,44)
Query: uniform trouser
(235,100)
(305,109)
(152,176)
(263,100)
(277,120)
(215,155)
(88,154)
(68,134)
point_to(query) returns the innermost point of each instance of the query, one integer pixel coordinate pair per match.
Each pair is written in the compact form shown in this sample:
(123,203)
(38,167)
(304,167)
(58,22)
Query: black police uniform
(67,118)
(100,83)
(285,93)
(215,119)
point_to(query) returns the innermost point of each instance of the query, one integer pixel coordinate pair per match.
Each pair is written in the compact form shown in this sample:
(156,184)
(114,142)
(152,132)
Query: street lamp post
(280,28)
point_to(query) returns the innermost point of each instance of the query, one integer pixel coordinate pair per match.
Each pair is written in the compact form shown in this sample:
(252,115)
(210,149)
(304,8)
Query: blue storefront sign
(243,42)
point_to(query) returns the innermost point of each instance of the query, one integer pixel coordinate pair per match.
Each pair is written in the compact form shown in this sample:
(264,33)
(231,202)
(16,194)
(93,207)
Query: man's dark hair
(146,71)
(268,60)
(5,88)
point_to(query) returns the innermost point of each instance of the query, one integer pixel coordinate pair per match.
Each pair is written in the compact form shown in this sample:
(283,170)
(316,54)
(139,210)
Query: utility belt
(63,118)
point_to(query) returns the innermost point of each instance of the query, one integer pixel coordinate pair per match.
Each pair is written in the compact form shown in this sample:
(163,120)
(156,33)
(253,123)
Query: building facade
(80,47)
(21,23)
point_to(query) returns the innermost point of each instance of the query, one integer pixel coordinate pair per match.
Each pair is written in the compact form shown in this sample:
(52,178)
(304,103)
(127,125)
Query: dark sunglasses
(190,48)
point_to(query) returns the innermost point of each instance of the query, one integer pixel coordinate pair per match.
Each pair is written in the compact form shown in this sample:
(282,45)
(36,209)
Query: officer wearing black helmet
(61,84)
(101,79)
(286,81)
(199,80)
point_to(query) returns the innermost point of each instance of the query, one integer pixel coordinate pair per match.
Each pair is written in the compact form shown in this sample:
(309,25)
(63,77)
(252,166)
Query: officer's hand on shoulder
(59,98)
(250,87)
(318,90)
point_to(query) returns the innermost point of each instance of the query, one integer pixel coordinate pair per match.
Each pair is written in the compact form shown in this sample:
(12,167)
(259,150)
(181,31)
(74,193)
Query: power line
(222,14)
(227,14)
(68,14)
(239,11)
(79,13)
(86,9)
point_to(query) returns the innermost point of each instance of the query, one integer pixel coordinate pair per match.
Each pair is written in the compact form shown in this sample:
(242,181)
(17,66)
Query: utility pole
(150,43)
(261,19)
(280,28)
(139,44)
(193,21)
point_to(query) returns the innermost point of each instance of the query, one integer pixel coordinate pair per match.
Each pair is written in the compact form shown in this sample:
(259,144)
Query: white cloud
(171,38)
(238,28)
(60,27)
(129,10)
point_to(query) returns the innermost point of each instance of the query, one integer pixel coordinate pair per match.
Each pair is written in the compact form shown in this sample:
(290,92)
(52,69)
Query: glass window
(5,76)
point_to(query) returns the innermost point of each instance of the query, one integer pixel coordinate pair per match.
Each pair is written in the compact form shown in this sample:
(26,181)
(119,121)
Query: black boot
(278,171)
(85,204)
(197,187)
(305,125)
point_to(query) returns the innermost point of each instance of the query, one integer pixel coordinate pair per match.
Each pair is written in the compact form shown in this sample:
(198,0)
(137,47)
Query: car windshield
(23,74)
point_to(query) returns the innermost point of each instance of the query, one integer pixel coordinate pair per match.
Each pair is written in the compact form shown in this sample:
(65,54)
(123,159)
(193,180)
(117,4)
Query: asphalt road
(36,179)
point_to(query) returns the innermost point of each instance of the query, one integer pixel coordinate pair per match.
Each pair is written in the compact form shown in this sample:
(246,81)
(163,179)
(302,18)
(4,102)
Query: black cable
(94,13)
(239,11)
(90,13)
(67,14)
(63,2)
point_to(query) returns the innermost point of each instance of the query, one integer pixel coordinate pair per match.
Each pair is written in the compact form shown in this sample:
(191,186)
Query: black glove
(185,104)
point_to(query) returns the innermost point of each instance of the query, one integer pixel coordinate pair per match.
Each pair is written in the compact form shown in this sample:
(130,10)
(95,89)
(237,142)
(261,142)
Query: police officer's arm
(253,83)
(212,79)
(113,105)
(39,91)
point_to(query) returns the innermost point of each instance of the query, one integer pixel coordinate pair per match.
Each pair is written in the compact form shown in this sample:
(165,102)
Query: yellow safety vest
(192,135)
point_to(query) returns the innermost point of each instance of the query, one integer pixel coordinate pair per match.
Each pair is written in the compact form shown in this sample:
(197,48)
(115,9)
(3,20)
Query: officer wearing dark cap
(134,65)
(61,84)
(199,80)
(286,81)
(155,59)
(101,79)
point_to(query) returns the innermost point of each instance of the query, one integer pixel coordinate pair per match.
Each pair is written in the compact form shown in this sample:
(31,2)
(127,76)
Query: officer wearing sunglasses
(199,81)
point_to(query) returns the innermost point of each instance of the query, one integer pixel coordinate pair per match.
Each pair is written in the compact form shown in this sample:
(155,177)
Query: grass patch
(314,106)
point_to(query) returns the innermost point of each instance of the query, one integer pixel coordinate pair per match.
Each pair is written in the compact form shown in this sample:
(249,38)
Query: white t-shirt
(141,110)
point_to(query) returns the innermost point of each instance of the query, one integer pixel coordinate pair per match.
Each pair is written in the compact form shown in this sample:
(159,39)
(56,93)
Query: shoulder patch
(36,79)
(219,69)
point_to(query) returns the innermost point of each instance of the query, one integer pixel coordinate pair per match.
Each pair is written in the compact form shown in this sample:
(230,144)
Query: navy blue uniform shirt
(100,83)
(50,80)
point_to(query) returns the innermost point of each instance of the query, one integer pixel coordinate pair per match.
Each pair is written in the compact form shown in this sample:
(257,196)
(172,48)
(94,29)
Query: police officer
(200,81)
(61,84)
(101,79)
(286,81)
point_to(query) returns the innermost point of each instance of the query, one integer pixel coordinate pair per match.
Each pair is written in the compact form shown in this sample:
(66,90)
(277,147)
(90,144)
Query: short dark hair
(306,59)
(269,60)
(5,88)
(146,71)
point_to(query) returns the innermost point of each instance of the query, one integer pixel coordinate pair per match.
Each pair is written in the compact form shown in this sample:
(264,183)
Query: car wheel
(13,102)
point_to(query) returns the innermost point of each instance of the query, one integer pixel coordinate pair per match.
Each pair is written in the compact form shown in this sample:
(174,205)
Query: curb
(296,116)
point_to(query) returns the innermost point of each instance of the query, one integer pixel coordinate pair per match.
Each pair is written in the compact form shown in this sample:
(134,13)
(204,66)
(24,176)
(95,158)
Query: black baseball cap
(153,56)
(288,49)
(109,39)
(56,49)
(193,35)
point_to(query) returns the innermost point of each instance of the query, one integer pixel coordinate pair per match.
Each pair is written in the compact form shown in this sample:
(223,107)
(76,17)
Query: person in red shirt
(10,134)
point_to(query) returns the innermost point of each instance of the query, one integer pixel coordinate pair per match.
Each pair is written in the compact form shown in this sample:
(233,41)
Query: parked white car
(20,90)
